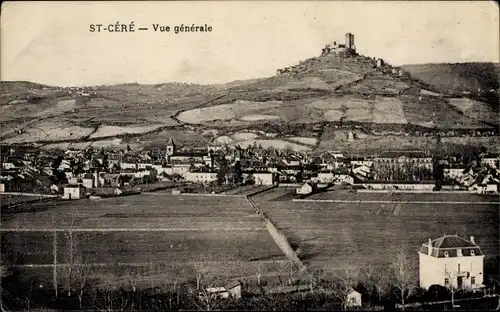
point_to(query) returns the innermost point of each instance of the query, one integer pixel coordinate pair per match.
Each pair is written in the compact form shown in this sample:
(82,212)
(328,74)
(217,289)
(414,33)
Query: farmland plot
(303,140)
(125,230)
(388,110)
(326,103)
(359,114)
(225,111)
(307,83)
(50,130)
(365,233)
(475,109)
(107,131)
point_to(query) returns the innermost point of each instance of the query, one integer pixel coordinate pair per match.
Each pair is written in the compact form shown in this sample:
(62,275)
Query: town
(214,169)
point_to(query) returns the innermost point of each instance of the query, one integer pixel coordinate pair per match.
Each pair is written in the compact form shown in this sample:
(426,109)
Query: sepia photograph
(249,155)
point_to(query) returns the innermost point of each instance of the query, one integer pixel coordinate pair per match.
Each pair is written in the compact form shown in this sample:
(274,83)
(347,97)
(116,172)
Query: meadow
(363,233)
(142,230)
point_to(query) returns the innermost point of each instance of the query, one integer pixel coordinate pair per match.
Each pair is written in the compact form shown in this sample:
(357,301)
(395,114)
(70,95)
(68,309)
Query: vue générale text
(131,27)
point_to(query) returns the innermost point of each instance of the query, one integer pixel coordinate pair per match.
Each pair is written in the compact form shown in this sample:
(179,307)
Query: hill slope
(457,77)
(306,104)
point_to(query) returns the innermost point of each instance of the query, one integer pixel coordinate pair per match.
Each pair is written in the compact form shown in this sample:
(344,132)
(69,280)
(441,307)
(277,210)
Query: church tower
(170,149)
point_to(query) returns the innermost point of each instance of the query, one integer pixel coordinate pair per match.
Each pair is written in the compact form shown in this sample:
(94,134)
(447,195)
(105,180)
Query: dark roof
(396,154)
(190,154)
(450,244)
(232,285)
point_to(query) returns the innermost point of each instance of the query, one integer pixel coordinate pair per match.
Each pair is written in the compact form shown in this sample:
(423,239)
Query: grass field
(126,230)
(328,234)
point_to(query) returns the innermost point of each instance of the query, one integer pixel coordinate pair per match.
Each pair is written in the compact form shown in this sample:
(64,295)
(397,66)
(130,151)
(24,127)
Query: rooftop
(448,246)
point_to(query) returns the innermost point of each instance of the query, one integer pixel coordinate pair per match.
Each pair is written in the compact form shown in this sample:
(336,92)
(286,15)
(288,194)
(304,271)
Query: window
(459,267)
(472,253)
(459,252)
(446,254)
(473,280)
(446,281)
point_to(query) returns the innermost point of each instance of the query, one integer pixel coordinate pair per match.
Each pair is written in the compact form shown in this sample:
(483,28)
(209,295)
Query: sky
(50,42)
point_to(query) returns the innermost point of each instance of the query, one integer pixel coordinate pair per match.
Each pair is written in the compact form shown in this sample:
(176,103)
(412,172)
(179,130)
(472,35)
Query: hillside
(457,77)
(310,106)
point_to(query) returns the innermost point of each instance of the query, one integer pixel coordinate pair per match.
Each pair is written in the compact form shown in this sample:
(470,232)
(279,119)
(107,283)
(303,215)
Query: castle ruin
(341,49)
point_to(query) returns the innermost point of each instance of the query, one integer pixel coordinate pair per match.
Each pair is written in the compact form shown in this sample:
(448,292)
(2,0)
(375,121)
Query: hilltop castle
(341,49)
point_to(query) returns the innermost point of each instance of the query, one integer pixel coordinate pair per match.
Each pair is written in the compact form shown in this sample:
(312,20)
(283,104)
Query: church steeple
(170,148)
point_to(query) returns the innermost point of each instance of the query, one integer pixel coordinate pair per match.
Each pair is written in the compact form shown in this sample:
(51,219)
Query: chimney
(429,249)
(472,240)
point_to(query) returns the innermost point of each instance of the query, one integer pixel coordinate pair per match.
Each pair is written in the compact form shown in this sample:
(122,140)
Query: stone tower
(349,41)
(170,149)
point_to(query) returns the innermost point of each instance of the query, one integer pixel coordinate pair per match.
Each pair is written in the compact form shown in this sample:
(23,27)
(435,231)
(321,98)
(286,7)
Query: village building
(400,159)
(265,178)
(353,298)
(86,182)
(200,176)
(232,289)
(454,172)
(451,260)
(490,161)
(400,185)
(307,188)
(74,191)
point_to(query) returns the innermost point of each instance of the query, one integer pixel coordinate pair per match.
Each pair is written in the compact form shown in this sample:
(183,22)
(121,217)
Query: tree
(346,277)
(403,270)
(172,273)
(223,170)
(72,253)
(452,289)
(237,173)
(201,270)
(82,272)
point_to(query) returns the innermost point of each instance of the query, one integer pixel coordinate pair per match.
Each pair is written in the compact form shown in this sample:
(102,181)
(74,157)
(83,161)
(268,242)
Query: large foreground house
(451,261)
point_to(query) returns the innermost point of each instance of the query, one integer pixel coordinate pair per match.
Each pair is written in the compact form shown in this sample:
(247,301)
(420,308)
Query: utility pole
(54,271)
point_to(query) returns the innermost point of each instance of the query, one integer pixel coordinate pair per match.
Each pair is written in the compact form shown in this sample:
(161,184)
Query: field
(142,229)
(457,77)
(336,139)
(475,109)
(225,111)
(107,131)
(388,110)
(328,234)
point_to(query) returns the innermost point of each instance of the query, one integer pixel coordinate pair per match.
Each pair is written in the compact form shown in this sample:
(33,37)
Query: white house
(144,166)
(343,178)
(490,161)
(74,191)
(200,177)
(453,172)
(8,165)
(2,187)
(325,177)
(219,292)
(362,170)
(353,298)
(263,178)
(451,260)
(124,165)
(306,188)
(233,289)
